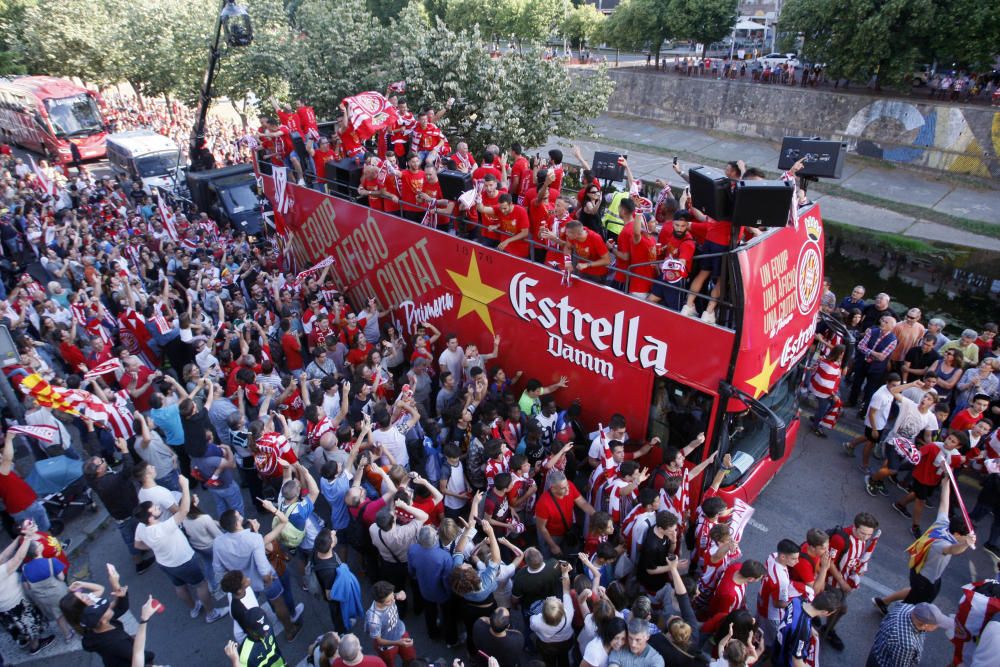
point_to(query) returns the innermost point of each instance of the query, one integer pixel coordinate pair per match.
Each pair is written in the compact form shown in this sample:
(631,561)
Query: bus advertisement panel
(44,114)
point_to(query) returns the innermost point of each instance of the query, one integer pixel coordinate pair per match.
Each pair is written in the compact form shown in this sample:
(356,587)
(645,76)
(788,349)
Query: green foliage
(11,20)
(325,50)
(640,24)
(385,10)
(704,21)
(582,24)
(888,39)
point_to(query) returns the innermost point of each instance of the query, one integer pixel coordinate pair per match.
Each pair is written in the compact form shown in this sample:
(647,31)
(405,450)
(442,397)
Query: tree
(863,39)
(526,21)
(704,21)
(582,24)
(966,34)
(640,24)
(69,38)
(11,25)
(385,10)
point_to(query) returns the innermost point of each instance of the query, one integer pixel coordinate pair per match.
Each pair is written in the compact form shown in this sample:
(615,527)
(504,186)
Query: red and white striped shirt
(270,447)
(776,589)
(826,380)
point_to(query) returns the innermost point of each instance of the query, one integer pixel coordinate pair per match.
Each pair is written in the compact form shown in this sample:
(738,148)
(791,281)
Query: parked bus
(670,376)
(43,114)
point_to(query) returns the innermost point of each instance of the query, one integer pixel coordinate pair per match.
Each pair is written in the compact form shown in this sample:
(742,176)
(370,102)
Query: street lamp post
(234,22)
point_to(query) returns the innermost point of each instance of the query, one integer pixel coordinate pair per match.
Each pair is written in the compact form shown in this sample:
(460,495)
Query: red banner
(783,286)
(610,345)
(368,113)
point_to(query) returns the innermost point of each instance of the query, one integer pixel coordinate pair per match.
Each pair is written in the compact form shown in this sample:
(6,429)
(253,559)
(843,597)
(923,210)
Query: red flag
(368,113)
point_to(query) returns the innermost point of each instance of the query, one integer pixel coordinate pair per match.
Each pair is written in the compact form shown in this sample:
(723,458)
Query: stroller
(59,483)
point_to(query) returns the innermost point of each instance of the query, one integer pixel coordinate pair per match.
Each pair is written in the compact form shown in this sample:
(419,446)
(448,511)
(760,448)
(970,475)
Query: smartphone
(675,160)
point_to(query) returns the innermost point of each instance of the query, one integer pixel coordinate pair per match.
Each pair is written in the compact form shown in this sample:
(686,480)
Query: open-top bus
(669,375)
(44,114)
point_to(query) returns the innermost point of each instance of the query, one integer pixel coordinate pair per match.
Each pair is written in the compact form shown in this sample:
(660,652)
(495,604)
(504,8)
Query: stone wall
(955,138)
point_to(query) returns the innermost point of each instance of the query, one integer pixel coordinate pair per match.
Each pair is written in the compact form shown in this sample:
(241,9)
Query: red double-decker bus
(44,113)
(669,375)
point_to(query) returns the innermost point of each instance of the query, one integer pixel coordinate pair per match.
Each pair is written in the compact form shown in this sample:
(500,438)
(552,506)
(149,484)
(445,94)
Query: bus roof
(142,142)
(43,87)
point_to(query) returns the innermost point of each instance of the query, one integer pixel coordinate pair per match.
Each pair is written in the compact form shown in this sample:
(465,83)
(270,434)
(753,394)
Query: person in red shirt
(19,499)
(730,594)
(676,249)
(292,347)
(463,160)
(138,381)
(970,416)
(479,173)
(514,226)
(633,240)
(928,472)
(350,142)
(540,201)
(389,180)
(427,140)
(589,250)
(489,200)
(412,183)
(432,198)
(553,233)
(307,119)
(555,164)
(427,498)
(370,187)
(321,154)
(281,145)
(554,513)
(520,172)
(715,236)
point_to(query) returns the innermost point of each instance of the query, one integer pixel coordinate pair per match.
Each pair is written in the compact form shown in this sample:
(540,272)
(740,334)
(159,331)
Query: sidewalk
(887,199)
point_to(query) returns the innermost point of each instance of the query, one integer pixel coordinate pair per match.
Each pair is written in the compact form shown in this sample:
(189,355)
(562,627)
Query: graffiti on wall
(937,137)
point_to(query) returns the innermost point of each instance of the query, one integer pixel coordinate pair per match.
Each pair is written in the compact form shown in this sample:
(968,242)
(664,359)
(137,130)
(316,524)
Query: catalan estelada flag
(45,395)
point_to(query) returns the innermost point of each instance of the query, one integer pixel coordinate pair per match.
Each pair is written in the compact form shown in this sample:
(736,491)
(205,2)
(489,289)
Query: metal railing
(460,226)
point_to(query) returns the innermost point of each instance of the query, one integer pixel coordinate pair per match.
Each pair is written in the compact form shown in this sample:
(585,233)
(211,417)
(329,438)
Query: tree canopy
(322,51)
(887,39)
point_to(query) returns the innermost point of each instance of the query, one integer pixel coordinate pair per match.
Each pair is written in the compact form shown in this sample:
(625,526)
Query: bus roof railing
(466,224)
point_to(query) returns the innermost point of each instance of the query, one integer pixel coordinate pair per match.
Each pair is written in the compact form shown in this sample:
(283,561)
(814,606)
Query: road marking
(882,591)
(758,525)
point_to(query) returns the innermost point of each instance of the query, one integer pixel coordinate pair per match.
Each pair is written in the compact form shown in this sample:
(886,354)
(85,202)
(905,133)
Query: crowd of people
(225,137)
(254,435)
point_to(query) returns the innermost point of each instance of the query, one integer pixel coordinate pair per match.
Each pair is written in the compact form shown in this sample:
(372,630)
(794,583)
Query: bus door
(677,414)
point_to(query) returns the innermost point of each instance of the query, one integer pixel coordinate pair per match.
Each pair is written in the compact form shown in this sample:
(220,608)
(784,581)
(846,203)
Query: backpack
(356,534)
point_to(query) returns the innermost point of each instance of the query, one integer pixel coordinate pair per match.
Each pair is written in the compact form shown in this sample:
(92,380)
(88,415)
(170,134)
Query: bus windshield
(74,116)
(749,433)
(157,164)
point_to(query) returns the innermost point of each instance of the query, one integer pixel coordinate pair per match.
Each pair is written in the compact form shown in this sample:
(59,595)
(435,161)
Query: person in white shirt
(149,490)
(876,417)
(553,626)
(174,554)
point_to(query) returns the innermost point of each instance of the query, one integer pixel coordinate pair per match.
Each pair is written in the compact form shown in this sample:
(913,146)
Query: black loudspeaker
(711,192)
(606,168)
(343,177)
(824,159)
(762,203)
(454,183)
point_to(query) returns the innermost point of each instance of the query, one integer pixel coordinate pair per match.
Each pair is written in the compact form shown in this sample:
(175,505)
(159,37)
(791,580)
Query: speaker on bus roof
(606,168)
(454,183)
(344,177)
(823,159)
(762,203)
(710,192)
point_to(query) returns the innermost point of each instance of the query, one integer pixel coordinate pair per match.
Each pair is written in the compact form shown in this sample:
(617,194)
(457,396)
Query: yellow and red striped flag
(45,394)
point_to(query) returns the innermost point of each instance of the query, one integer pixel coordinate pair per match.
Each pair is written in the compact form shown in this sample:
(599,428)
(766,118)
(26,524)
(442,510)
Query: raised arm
(7,459)
(579,156)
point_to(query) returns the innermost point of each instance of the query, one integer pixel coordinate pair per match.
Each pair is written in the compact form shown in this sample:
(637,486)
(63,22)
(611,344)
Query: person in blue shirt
(303,524)
(797,639)
(855,300)
(431,565)
(336,481)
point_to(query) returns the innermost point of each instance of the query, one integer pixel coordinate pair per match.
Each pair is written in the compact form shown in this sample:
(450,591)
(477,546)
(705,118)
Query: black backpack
(356,534)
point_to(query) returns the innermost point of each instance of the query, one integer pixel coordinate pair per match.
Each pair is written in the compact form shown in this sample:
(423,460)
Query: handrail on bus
(466,223)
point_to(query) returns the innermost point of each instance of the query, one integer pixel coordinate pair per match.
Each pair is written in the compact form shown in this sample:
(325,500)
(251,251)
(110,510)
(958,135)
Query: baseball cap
(93,613)
(925,612)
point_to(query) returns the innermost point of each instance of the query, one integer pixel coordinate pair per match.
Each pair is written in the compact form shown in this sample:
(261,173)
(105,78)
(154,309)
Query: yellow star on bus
(476,295)
(762,381)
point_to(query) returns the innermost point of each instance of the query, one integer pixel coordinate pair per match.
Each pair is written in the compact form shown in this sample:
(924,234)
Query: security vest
(611,220)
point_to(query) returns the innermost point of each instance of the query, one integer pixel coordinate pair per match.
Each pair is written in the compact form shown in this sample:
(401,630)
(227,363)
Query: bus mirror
(776,441)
